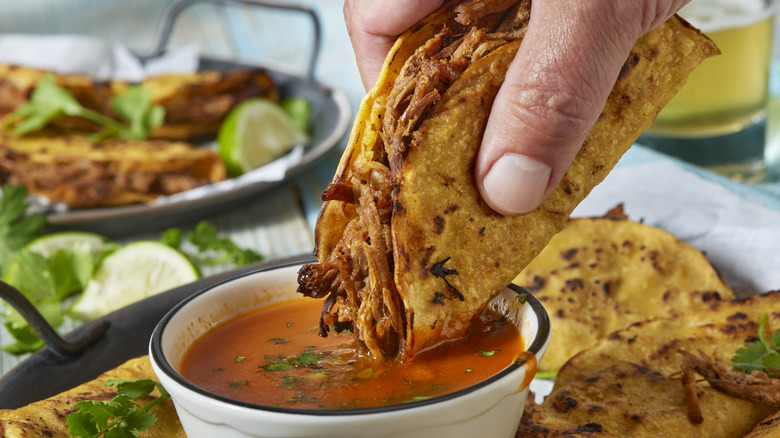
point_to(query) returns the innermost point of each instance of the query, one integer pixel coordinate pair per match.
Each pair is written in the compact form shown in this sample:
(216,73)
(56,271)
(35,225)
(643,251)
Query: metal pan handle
(173,10)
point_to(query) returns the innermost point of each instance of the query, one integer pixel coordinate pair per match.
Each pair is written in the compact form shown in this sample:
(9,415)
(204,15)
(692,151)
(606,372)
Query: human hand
(554,89)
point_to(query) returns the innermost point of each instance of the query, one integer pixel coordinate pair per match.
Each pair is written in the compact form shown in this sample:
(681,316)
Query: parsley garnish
(485,353)
(307,358)
(763,355)
(16,229)
(239,359)
(288,382)
(212,249)
(49,101)
(278,366)
(119,417)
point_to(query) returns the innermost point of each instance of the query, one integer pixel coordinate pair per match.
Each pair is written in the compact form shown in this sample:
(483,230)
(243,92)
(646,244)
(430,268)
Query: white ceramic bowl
(491,408)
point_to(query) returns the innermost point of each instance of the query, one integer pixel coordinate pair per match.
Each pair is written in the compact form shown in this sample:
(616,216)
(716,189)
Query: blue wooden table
(277,222)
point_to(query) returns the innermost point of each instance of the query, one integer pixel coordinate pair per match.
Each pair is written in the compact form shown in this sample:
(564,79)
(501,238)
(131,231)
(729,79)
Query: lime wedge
(254,133)
(49,244)
(132,273)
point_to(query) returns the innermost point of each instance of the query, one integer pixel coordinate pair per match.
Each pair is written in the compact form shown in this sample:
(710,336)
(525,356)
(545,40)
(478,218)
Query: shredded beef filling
(356,280)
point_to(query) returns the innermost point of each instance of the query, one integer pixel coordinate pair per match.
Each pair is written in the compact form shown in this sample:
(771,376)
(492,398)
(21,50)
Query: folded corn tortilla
(46,418)
(408,250)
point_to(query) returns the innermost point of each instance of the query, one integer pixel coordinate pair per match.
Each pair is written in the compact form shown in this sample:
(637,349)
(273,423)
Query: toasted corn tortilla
(84,174)
(629,384)
(767,428)
(599,275)
(46,418)
(451,252)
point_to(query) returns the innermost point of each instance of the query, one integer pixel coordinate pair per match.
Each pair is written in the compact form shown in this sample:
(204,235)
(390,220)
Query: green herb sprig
(211,248)
(763,355)
(119,417)
(16,228)
(49,101)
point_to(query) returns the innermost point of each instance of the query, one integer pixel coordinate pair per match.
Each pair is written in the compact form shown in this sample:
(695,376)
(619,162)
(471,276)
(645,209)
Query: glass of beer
(718,119)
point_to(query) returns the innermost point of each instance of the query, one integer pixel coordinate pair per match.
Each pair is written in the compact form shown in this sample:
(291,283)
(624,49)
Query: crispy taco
(408,251)
(195,104)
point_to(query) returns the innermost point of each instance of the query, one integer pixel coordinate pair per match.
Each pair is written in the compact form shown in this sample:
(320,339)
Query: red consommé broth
(273,356)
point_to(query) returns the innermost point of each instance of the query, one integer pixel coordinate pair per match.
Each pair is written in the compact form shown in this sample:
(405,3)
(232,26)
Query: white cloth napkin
(75,54)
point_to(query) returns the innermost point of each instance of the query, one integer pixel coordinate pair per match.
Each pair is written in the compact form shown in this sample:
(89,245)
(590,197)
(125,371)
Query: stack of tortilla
(667,368)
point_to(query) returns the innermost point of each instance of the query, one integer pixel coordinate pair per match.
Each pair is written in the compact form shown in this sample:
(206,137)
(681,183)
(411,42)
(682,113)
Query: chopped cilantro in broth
(274,357)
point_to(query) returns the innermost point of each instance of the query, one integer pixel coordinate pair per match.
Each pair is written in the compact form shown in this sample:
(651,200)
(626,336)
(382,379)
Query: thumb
(553,93)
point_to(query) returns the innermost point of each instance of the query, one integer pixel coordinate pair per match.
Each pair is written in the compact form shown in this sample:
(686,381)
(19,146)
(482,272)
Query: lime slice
(132,273)
(49,244)
(255,133)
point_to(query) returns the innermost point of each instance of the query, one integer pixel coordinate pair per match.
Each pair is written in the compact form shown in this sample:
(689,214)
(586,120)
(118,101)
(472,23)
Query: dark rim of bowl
(156,350)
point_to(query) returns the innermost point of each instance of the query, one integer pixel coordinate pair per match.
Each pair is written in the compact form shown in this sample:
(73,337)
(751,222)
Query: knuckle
(553,114)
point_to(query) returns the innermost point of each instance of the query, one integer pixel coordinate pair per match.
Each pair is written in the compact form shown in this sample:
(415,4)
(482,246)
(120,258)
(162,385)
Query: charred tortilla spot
(738,315)
(440,271)
(438,298)
(631,62)
(569,254)
(447,180)
(451,208)
(568,190)
(710,296)
(438,223)
(564,403)
(538,283)
(573,285)
(482,231)
(592,409)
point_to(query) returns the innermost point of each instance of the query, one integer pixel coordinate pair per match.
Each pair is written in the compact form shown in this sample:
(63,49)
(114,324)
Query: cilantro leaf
(49,101)
(772,364)
(119,417)
(135,388)
(306,358)
(278,366)
(16,229)
(135,107)
(171,237)
(211,248)
(26,340)
(45,282)
(763,355)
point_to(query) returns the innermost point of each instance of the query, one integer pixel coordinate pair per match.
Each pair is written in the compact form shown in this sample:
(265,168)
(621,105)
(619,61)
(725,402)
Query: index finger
(373,26)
